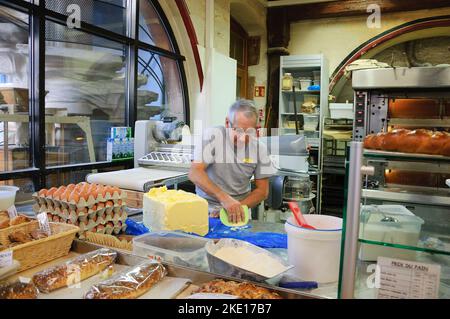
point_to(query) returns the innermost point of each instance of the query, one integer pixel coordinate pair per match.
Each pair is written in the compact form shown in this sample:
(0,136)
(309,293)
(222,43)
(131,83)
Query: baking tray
(168,288)
(197,278)
(411,156)
(220,266)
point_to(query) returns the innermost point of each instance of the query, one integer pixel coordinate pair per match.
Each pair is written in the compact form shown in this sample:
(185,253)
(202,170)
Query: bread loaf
(74,271)
(18,290)
(405,141)
(131,284)
(242,290)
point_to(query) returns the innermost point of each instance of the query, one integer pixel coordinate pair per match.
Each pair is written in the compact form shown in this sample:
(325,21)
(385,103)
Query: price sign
(402,279)
(44,225)
(12,212)
(6,258)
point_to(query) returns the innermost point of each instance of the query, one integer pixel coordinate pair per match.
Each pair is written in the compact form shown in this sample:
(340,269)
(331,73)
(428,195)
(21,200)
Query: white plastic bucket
(315,253)
(7,196)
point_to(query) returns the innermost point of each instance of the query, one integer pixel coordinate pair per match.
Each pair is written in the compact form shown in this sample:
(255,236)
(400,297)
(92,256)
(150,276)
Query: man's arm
(197,174)
(259,194)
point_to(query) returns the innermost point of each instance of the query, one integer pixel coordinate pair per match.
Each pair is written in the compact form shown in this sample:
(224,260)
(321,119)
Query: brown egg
(84,194)
(102,190)
(110,224)
(100,228)
(94,192)
(65,195)
(94,230)
(109,203)
(119,202)
(74,197)
(108,190)
(100,206)
(42,192)
(51,191)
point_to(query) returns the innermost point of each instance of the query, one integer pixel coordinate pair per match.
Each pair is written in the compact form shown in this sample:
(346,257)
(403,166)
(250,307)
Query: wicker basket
(40,251)
(108,241)
(4,233)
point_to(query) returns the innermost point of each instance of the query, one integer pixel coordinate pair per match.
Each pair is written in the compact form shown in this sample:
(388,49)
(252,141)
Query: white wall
(338,37)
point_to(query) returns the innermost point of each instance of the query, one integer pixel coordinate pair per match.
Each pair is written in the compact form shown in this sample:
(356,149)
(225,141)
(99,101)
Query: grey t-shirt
(229,167)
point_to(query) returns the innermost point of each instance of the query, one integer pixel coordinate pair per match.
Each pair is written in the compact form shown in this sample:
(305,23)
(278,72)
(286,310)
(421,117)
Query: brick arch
(413,30)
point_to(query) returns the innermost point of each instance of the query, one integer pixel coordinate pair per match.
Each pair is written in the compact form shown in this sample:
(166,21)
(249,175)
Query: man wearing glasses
(226,160)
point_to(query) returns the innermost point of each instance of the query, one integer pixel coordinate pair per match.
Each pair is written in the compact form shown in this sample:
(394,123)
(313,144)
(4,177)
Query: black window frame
(38,14)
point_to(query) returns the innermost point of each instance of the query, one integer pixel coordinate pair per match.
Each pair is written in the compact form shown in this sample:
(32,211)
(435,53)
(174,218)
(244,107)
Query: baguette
(74,271)
(418,141)
(18,290)
(131,284)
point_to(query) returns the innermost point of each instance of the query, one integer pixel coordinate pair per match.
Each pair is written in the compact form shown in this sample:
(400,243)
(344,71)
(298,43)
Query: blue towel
(217,230)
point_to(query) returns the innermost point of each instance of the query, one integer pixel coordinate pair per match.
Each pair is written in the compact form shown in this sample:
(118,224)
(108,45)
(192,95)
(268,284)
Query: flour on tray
(259,263)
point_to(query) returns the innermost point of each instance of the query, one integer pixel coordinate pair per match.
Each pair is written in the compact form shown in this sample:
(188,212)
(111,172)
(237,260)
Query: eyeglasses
(251,132)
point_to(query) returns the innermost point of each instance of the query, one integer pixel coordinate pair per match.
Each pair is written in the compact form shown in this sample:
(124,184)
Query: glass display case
(395,220)
(396,241)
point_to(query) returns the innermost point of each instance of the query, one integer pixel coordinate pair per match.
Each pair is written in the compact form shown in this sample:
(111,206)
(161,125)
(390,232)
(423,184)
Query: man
(227,159)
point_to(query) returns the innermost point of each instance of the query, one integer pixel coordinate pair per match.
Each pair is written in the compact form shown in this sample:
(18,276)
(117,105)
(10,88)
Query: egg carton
(80,195)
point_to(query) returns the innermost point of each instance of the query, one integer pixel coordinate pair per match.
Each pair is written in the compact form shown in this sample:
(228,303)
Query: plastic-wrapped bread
(74,271)
(18,290)
(131,284)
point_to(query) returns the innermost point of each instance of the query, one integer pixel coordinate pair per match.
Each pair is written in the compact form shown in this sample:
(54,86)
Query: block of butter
(175,210)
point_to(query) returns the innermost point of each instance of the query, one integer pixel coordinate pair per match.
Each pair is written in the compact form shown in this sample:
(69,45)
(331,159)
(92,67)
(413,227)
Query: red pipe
(182,7)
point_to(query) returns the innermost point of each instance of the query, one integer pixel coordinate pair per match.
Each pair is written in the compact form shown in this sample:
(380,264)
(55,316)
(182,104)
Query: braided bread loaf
(418,141)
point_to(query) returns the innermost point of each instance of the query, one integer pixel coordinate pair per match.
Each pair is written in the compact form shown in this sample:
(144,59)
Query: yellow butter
(175,210)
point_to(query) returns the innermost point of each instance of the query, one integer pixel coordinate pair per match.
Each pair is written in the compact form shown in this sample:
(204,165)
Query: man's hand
(234,210)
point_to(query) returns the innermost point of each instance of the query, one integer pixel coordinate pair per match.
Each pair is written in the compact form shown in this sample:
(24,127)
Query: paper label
(6,258)
(12,212)
(43,223)
(402,279)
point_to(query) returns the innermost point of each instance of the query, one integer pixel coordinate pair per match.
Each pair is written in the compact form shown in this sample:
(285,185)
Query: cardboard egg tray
(95,208)
(81,196)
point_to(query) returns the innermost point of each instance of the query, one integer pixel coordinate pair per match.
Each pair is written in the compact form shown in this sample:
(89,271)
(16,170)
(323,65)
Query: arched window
(70,70)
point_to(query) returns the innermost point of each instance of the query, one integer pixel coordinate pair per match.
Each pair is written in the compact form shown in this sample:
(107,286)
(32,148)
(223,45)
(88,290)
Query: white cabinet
(301,100)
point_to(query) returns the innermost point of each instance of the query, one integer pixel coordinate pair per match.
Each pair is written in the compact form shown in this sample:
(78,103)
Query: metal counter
(197,277)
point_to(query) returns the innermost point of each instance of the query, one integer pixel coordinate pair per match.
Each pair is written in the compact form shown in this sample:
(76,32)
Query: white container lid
(341,106)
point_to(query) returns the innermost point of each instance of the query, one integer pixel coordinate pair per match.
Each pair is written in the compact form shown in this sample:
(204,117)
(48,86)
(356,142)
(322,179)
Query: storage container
(173,247)
(287,82)
(7,196)
(342,111)
(315,254)
(310,122)
(316,76)
(388,224)
(305,83)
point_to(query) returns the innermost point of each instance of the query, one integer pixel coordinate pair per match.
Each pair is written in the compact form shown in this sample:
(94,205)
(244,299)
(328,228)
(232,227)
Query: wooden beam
(344,8)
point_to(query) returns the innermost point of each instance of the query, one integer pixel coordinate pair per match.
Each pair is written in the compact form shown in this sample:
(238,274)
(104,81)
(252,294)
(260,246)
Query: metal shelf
(405,156)
(444,251)
(404,196)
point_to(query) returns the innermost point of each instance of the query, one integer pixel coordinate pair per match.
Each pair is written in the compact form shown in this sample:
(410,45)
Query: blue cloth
(217,230)
(135,228)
